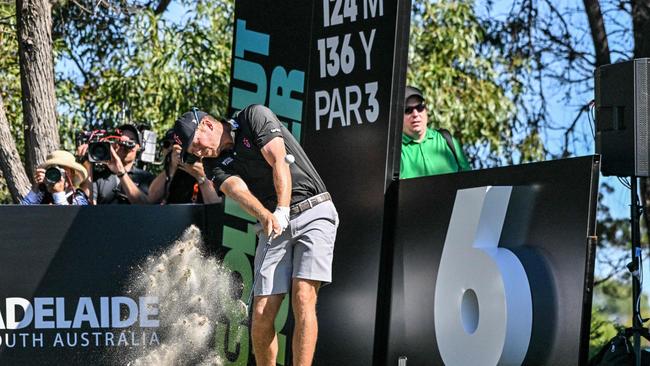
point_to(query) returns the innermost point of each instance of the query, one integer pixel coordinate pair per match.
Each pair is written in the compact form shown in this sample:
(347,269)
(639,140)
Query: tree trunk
(37,79)
(10,164)
(162,6)
(598,33)
(641,27)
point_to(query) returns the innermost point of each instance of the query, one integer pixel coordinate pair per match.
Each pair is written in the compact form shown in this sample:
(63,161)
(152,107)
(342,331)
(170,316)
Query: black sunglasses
(420,107)
(127,144)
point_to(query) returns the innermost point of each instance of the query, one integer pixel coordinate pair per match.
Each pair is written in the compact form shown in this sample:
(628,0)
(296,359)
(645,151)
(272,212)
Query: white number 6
(483,307)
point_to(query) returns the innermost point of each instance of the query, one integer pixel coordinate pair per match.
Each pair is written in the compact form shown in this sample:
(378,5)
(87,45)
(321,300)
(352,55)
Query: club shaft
(257,272)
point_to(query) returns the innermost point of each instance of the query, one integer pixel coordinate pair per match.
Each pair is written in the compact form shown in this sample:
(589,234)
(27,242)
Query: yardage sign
(330,70)
(353,106)
(345,91)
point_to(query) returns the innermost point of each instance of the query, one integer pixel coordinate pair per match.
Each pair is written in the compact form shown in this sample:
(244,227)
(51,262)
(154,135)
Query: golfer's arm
(274,153)
(209,193)
(236,189)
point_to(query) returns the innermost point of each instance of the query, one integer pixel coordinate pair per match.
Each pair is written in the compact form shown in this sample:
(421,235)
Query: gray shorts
(304,250)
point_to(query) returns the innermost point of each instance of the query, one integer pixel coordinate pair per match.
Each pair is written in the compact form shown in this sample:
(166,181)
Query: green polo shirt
(430,156)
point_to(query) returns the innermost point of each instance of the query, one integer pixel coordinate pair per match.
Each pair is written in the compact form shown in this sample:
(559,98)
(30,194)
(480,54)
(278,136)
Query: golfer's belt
(309,203)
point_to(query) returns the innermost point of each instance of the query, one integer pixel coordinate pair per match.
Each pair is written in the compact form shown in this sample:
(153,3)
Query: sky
(563,112)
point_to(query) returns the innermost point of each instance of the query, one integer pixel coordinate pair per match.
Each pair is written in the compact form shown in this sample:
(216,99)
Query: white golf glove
(282,215)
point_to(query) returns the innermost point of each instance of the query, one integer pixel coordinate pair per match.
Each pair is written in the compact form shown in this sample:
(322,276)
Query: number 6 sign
(483,307)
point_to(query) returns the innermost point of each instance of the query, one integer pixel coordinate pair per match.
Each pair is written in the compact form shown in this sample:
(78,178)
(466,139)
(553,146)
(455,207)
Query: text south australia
(79,322)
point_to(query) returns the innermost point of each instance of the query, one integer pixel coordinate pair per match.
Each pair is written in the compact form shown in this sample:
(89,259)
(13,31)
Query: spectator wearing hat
(426,151)
(122,182)
(57,181)
(180,182)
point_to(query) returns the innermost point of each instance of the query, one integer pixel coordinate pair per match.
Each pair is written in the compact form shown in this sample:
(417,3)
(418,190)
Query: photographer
(181,182)
(122,182)
(57,180)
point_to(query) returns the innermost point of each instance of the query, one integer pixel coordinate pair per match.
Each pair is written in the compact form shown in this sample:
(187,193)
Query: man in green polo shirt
(426,151)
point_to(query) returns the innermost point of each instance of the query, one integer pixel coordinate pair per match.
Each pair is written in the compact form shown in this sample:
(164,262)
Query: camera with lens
(188,158)
(54,174)
(87,137)
(99,152)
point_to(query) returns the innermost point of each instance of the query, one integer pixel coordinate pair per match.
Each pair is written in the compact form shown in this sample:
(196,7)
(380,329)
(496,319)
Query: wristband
(120,175)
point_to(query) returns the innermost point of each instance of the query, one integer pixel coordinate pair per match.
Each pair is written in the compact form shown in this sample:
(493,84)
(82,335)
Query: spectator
(181,182)
(426,151)
(122,182)
(57,180)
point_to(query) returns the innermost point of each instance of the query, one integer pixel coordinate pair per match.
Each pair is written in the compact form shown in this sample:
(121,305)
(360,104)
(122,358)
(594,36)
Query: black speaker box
(622,117)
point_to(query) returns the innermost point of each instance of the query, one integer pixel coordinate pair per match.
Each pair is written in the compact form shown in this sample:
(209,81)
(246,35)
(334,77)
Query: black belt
(309,203)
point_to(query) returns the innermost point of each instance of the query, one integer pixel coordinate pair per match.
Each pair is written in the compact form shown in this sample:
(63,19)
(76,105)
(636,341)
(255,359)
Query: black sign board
(549,226)
(66,269)
(339,69)
(357,70)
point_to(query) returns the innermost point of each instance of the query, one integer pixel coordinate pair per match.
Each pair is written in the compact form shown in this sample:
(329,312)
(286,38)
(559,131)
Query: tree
(132,66)
(468,85)
(37,79)
(640,12)
(11,131)
(563,43)
(146,69)
(10,162)
(563,55)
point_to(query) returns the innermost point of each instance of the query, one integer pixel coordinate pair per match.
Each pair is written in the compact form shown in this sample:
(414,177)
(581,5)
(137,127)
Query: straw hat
(66,159)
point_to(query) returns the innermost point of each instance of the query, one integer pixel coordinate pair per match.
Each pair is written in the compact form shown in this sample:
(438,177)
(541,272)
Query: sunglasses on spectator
(420,107)
(127,144)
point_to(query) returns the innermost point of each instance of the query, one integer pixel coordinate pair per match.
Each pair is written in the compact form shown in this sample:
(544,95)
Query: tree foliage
(130,63)
(152,70)
(125,62)
(468,83)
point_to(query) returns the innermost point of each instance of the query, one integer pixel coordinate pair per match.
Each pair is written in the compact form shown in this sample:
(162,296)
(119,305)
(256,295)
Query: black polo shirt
(107,188)
(254,126)
(181,189)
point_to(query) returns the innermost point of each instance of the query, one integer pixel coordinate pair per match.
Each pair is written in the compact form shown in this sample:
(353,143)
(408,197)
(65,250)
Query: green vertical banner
(263,72)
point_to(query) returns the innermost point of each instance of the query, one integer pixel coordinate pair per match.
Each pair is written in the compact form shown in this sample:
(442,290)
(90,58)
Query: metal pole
(636,284)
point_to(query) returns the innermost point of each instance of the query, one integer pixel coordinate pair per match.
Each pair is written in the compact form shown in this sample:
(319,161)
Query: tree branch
(12,168)
(598,33)
(162,6)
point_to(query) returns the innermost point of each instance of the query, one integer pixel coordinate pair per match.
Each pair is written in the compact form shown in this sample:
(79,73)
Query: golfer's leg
(303,298)
(265,342)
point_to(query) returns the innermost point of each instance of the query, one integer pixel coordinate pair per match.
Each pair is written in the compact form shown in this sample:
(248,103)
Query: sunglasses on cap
(420,107)
(186,157)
